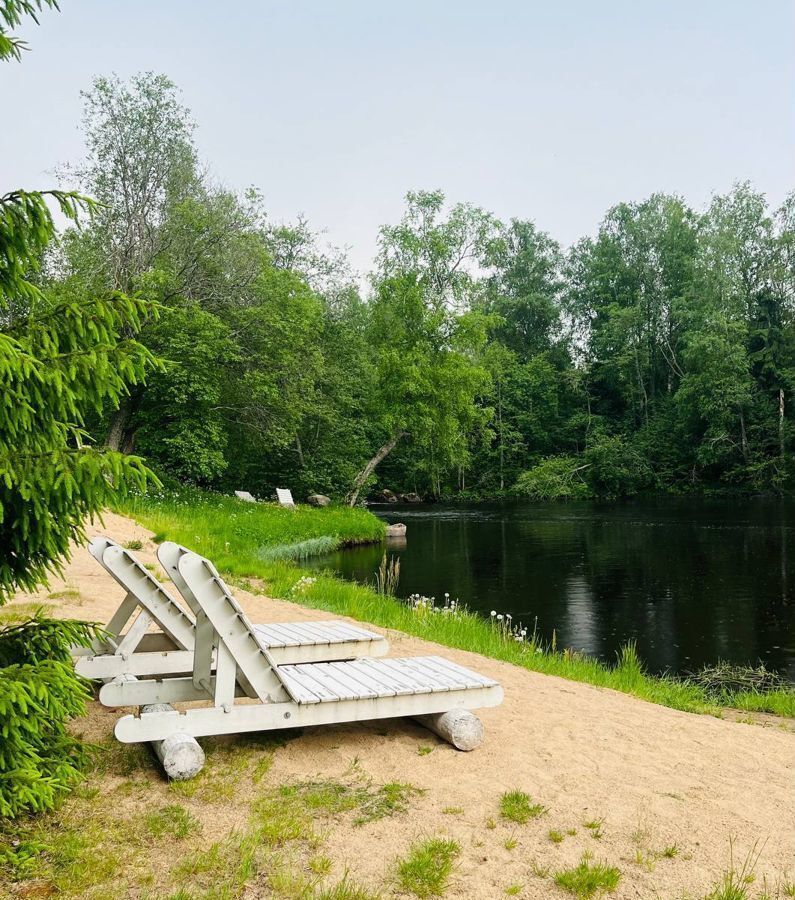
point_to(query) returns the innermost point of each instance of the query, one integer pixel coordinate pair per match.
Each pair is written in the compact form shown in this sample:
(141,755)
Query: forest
(478,358)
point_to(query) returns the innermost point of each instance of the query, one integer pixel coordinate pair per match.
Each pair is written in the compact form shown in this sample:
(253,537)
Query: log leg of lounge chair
(181,754)
(459,727)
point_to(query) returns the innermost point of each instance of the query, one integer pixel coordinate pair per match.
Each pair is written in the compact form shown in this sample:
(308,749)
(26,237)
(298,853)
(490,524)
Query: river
(692,581)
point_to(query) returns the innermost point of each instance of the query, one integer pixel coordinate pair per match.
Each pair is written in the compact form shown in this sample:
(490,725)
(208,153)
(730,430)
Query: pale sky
(552,111)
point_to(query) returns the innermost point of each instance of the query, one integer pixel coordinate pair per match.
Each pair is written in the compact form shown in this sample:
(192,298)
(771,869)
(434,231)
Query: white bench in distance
(285,498)
(146,654)
(286,696)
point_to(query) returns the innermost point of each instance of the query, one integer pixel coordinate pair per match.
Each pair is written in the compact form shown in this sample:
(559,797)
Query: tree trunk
(121,436)
(300,451)
(743,438)
(781,421)
(502,443)
(367,471)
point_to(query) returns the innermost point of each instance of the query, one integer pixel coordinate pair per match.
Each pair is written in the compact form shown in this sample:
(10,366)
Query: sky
(551,111)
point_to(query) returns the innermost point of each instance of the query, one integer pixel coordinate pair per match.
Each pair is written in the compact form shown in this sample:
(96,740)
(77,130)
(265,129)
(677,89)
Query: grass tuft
(333,798)
(172,821)
(427,868)
(516,806)
(587,879)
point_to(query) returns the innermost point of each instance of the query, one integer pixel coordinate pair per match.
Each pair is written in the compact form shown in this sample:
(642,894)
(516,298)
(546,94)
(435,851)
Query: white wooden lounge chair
(285,498)
(286,696)
(147,654)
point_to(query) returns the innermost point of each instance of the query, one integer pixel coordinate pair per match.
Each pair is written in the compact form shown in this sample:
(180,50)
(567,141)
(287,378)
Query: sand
(655,777)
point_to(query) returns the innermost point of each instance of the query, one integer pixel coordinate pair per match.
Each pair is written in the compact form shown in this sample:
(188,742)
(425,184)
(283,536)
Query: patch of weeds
(334,797)
(345,890)
(133,545)
(159,537)
(595,827)
(427,868)
(510,843)
(65,859)
(86,792)
(424,751)
(491,824)
(319,865)
(388,800)
(21,612)
(279,819)
(735,882)
(516,806)
(571,832)
(262,767)
(513,890)
(645,859)
(214,784)
(134,787)
(453,810)
(123,760)
(538,870)
(289,884)
(173,820)
(64,594)
(669,852)
(788,889)
(222,869)
(150,567)
(557,837)
(587,879)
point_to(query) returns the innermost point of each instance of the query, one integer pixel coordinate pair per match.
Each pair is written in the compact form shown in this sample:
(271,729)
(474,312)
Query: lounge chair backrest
(169,555)
(233,634)
(285,497)
(143,590)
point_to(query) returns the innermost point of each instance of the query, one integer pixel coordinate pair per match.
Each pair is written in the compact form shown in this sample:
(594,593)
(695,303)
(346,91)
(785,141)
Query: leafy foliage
(39,692)
(60,357)
(64,355)
(11,15)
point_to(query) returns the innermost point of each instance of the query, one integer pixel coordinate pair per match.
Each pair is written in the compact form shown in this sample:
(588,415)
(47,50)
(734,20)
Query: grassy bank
(228,530)
(263,541)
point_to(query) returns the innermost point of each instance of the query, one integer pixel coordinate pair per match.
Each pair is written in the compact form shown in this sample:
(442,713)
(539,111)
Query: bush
(39,693)
(555,478)
(615,468)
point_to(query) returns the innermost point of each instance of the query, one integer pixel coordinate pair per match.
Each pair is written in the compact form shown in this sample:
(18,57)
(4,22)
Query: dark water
(691,581)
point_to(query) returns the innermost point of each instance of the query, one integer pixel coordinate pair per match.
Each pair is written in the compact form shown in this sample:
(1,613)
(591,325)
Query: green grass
(516,806)
(233,533)
(172,821)
(334,797)
(735,882)
(595,827)
(587,879)
(426,869)
(240,537)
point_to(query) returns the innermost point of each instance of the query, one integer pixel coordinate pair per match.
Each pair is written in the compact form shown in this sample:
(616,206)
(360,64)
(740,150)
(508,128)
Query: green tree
(426,378)
(60,357)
